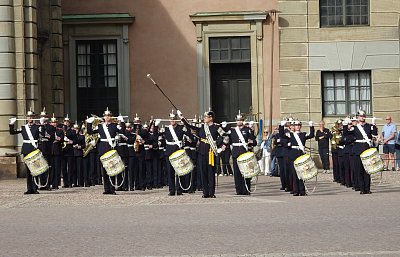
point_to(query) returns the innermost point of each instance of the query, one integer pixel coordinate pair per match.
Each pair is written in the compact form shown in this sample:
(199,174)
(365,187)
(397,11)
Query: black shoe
(303,194)
(296,194)
(132,189)
(179,193)
(28,193)
(357,189)
(192,191)
(212,196)
(171,193)
(109,193)
(204,196)
(149,188)
(282,188)
(369,192)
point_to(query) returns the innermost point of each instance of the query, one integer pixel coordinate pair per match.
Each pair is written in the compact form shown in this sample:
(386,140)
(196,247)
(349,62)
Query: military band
(74,152)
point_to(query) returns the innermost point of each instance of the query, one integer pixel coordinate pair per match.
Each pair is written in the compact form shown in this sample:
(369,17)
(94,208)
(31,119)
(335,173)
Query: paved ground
(334,221)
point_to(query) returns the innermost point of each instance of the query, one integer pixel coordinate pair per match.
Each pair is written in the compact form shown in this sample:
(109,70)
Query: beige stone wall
(301,80)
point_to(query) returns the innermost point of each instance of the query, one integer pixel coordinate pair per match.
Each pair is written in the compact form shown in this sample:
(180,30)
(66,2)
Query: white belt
(186,148)
(106,140)
(130,145)
(362,141)
(45,140)
(341,147)
(29,141)
(239,144)
(161,148)
(122,144)
(193,148)
(296,147)
(174,143)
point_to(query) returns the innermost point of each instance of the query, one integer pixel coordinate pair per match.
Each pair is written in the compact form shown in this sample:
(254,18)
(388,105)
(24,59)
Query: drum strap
(364,134)
(210,139)
(241,138)
(301,146)
(30,136)
(174,137)
(109,140)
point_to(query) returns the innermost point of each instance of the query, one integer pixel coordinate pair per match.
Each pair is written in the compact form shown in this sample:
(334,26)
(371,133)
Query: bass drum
(36,163)
(181,162)
(248,165)
(112,163)
(305,167)
(371,161)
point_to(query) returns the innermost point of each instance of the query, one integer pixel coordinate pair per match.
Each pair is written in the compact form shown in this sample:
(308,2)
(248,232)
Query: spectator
(266,154)
(397,148)
(388,135)
(322,136)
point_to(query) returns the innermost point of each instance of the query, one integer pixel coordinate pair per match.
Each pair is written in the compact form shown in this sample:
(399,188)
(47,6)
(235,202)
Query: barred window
(345,92)
(344,12)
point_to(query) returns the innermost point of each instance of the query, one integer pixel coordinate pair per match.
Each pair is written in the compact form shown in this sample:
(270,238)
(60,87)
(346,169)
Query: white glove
(157,122)
(311,123)
(119,127)
(224,124)
(373,121)
(120,118)
(93,143)
(346,121)
(283,122)
(179,114)
(90,120)
(251,123)
(117,137)
(66,139)
(42,120)
(13,120)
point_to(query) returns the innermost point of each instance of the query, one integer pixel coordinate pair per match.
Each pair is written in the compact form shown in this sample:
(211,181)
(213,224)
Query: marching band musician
(347,140)
(297,140)
(173,142)
(122,150)
(336,135)
(151,154)
(57,139)
(363,134)
(192,152)
(45,148)
(68,163)
(162,169)
(139,153)
(354,175)
(107,133)
(81,178)
(210,137)
(240,138)
(30,134)
(131,156)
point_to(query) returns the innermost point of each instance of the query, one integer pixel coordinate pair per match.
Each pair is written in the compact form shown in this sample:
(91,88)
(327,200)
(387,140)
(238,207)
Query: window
(345,92)
(344,12)
(96,76)
(229,49)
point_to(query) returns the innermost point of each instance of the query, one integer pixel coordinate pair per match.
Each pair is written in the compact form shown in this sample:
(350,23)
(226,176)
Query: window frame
(230,49)
(347,101)
(344,16)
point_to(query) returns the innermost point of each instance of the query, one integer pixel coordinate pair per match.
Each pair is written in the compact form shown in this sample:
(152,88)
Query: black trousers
(225,166)
(289,173)
(30,184)
(56,170)
(68,169)
(139,172)
(108,188)
(283,174)
(124,175)
(131,177)
(207,175)
(86,180)
(364,179)
(354,175)
(341,169)
(240,181)
(151,172)
(173,180)
(347,170)
(324,155)
(48,175)
(298,184)
(78,179)
(335,162)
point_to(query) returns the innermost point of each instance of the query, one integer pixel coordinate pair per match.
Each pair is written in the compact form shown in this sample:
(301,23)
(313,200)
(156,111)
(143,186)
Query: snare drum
(371,161)
(36,163)
(112,163)
(305,167)
(248,165)
(181,162)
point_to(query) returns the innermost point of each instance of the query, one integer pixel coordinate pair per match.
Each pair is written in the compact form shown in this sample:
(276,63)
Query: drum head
(108,154)
(31,154)
(245,156)
(368,152)
(177,154)
(302,158)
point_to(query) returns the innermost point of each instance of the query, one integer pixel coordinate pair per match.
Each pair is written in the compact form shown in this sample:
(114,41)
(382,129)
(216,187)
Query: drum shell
(36,163)
(112,163)
(305,167)
(371,161)
(181,162)
(248,165)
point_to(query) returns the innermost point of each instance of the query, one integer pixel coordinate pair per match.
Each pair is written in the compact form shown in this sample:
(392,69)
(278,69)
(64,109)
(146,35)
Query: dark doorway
(231,89)
(230,67)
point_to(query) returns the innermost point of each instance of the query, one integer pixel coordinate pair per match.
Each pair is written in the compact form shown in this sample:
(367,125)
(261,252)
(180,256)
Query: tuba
(90,138)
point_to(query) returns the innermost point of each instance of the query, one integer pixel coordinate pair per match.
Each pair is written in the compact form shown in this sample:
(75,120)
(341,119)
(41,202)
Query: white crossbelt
(178,143)
(362,141)
(29,141)
(106,140)
(239,144)
(296,147)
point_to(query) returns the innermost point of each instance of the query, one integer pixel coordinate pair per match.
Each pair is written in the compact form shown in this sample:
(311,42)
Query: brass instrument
(136,145)
(336,137)
(90,138)
(64,143)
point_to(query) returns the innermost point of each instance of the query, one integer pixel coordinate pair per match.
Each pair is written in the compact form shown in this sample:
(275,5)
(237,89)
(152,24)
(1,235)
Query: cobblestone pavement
(333,221)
